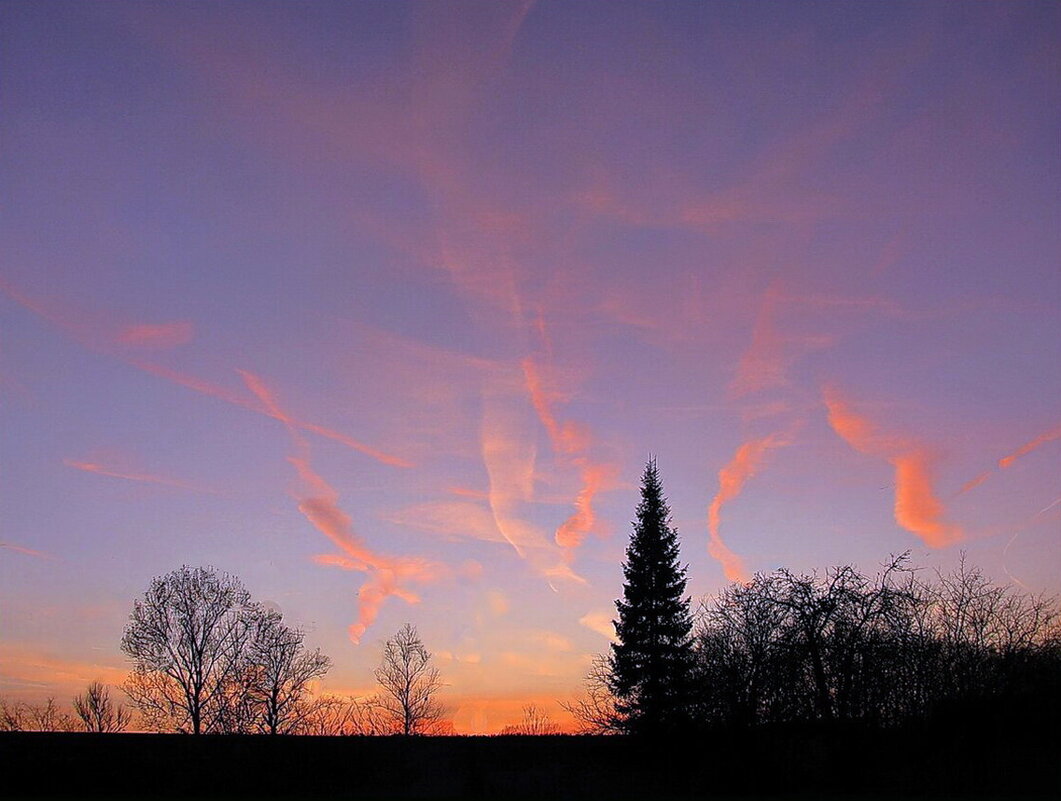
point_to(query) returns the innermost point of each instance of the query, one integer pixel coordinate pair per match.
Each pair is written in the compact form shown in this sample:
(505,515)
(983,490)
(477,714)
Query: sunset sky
(383,306)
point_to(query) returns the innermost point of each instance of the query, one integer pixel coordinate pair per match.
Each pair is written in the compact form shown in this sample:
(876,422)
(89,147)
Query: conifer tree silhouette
(651,665)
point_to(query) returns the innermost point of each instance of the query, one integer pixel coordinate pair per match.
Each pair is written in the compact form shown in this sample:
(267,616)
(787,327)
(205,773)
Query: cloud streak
(572,442)
(1028,447)
(744,465)
(509,454)
(113,340)
(26,551)
(216,391)
(917,507)
(1008,461)
(318,501)
(145,478)
(165,335)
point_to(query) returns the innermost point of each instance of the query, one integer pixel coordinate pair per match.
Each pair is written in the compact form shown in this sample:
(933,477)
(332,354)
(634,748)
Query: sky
(382,307)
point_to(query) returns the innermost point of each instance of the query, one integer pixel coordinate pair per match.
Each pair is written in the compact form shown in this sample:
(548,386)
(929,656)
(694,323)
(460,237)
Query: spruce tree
(651,665)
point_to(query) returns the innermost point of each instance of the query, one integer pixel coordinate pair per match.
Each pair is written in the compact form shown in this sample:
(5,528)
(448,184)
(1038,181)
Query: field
(838,764)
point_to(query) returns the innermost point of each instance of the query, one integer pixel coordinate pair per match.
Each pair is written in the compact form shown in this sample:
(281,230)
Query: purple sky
(383,306)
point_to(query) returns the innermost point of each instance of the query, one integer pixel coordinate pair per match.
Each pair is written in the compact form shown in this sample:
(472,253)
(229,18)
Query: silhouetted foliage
(787,648)
(843,648)
(410,684)
(651,665)
(98,712)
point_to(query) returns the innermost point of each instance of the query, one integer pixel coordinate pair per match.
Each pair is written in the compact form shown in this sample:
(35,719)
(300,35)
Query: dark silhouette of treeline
(880,652)
(898,648)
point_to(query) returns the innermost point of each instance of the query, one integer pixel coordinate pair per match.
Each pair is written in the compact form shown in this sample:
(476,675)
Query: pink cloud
(100,337)
(146,478)
(572,442)
(318,501)
(26,551)
(509,454)
(1028,447)
(744,465)
(917,507)
(164,335)
(1008,460)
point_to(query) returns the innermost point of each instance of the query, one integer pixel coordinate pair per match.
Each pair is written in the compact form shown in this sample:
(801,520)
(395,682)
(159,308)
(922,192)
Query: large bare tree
(98,712)
(187,638)
(410,684)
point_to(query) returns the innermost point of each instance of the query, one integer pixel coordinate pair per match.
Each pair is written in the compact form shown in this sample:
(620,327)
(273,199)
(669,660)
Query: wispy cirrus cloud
(145,478)
(918,509)
(222,393)
(572,442)
(1028,447)
(509,453)
(453,519)
(745,463)
(101,332)
(26,551)
(318,501)
(162,335)
(773,352)
(101,335)
(600,622)
(1008,460)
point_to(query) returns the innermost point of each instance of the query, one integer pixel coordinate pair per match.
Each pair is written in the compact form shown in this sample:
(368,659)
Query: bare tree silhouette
(282,669)
(410,684)
(881,651)
(332,715)
(535,722)
(12,715)
(97,712)
(187,638)
(596,710)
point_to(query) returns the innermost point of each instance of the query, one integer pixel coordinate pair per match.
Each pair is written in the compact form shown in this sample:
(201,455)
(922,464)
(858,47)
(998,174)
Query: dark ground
(960,762)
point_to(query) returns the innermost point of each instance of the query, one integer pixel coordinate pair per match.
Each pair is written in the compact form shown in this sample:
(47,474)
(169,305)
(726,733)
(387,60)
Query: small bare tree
(283,669)
(534,723)
(410,684)
(48,717)
(12,715)
(596,711)
(331,715)
(97,712)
